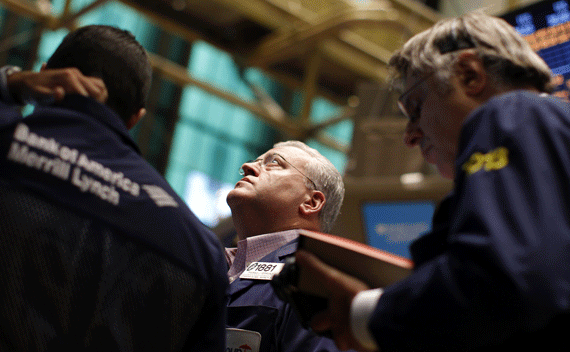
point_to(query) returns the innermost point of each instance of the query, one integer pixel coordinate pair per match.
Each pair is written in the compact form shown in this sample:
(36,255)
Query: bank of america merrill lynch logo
(242,348)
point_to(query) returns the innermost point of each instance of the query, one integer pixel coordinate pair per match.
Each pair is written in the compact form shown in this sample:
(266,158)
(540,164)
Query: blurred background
(233,77)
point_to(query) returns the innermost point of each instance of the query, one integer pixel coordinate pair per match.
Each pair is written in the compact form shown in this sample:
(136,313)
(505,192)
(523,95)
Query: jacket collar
(98,112)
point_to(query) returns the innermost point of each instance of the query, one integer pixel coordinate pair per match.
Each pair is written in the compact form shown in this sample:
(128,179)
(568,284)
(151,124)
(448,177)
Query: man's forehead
(400,80)
(293,155)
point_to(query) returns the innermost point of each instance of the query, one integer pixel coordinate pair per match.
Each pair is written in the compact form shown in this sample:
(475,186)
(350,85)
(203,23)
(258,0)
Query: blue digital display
(393,226)
(546,26)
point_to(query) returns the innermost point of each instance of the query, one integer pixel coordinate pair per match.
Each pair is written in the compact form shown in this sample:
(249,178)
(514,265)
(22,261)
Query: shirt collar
(254,248)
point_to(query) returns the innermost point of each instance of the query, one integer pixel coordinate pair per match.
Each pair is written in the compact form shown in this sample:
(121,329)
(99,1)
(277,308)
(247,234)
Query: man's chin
(236,195)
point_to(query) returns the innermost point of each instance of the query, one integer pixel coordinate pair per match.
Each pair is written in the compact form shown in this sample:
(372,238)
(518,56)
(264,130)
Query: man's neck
(251,231)
(253,224)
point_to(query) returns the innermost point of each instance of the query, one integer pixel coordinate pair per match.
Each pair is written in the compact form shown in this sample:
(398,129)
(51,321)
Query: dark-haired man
(97,252)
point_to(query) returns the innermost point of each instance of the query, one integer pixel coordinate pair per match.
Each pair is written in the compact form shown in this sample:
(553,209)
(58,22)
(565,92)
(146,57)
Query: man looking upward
(290,187)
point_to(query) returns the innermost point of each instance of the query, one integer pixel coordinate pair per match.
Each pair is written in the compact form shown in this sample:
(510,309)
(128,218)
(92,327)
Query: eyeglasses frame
(242,173)
(402,97)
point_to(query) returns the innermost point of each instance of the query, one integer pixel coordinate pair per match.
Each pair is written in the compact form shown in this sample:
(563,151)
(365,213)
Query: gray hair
(327,179)
(507,57)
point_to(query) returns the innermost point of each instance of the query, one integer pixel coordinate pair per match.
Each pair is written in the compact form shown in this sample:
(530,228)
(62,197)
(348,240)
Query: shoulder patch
(160,197)
(494,160)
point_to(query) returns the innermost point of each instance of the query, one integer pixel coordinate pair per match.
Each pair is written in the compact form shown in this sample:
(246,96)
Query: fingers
(96,89)
(71,80)
(54,84)
(74,82)
(58,93)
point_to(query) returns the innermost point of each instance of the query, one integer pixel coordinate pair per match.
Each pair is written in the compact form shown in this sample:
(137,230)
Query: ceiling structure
(321,47)
(337,49)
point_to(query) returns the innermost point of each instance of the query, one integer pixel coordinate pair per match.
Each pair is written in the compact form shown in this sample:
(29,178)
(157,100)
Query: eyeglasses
(412,113)
(275,159)
(456,42)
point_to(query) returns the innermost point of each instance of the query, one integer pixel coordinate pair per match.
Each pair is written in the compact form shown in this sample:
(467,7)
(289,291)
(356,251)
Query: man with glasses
(494,273)
(290,187)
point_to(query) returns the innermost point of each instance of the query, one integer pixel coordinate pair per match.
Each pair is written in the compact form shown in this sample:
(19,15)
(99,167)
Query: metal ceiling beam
(179,75)
(67,17)
(310,85)
(261,11)
(164,23)
(345,49)
(362,65)
(347,113)
(417,8)
(308,30)
(173,72)
(49,21)
(27,9)
(282,46)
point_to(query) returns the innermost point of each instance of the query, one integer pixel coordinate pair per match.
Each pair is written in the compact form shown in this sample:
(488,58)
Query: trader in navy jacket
(97,252)
(290,187)
(494,274)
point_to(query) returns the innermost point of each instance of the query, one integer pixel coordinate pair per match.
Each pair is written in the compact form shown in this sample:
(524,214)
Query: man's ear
(313,204)
(135,118)
(471,73)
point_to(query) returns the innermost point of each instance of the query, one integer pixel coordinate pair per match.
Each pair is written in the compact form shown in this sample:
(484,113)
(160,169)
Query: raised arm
(49,85)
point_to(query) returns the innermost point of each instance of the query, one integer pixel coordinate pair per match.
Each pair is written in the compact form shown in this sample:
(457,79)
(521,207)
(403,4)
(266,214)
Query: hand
(343,288)
(54,84)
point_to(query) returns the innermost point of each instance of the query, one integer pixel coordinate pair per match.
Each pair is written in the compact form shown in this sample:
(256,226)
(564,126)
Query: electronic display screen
(392,226)
(546,26)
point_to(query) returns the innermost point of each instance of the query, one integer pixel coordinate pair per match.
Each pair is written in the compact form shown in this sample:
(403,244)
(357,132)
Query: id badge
(239,340)
(261,271)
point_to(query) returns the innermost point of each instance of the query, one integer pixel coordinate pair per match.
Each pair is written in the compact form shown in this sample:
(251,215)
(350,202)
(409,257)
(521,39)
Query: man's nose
(250,168)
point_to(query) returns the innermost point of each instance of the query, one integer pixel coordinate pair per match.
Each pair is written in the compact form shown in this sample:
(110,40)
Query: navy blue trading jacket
(254,305)
(98,252)
(494,274)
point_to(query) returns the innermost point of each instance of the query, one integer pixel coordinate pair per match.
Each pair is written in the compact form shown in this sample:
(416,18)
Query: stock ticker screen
(546,26)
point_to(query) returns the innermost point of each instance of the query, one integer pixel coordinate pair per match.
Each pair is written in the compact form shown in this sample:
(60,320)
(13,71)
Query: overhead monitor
(393,225)
(546,26)
(389,214)
(391,192)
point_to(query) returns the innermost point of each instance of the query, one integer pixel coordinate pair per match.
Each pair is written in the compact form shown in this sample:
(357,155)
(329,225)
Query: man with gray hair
(494,273)
(290,187)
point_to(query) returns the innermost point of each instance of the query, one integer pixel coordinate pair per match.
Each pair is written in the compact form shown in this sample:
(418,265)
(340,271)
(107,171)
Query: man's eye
(272,162)
(416,110)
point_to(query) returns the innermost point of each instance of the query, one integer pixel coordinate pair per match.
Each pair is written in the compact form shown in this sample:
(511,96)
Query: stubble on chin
(238,195)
